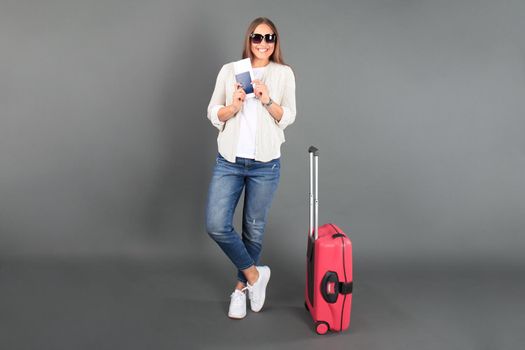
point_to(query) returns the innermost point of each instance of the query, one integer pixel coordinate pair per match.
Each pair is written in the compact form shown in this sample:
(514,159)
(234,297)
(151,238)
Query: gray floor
(182,304)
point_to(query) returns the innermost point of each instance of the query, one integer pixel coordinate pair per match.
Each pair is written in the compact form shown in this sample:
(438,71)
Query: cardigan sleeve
(288,101)
(218,100)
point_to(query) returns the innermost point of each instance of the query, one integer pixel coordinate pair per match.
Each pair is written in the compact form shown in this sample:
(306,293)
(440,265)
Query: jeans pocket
(221,162)
(275,165)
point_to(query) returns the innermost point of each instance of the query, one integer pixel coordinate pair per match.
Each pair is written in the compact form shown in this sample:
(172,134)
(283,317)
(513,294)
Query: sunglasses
(258,38)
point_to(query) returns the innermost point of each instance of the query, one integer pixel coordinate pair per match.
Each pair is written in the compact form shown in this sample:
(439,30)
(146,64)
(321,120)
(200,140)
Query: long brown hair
(276,56)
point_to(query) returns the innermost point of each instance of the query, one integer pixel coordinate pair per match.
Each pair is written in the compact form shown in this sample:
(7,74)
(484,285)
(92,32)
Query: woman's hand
(238,97)
(261,91)
(229,111)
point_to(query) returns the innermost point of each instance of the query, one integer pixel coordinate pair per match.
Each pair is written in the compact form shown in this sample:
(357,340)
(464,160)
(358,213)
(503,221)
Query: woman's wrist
(227,112)
(234,109)
(267,102)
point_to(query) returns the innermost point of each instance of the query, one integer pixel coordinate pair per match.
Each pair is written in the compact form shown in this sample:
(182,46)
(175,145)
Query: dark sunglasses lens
(257,38)
(270,38)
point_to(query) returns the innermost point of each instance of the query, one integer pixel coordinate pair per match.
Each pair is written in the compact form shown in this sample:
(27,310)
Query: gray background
(417,108)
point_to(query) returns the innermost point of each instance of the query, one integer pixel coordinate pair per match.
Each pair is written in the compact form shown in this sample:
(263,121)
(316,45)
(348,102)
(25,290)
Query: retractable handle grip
(314,192)
(313,150)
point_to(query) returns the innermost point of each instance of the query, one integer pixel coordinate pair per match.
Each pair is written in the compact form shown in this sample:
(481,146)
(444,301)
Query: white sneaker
(237,305)
(257,292)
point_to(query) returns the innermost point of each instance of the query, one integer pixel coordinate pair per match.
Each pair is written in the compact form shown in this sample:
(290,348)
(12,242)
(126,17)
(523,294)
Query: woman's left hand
(261,91)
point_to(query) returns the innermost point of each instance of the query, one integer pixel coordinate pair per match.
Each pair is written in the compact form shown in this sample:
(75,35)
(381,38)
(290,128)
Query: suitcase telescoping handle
(314,192)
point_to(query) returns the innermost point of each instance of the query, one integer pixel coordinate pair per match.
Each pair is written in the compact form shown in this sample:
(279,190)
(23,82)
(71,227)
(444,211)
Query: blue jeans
(260,181)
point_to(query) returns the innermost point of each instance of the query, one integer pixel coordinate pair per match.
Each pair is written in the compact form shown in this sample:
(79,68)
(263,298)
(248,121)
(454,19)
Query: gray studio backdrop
(416,106)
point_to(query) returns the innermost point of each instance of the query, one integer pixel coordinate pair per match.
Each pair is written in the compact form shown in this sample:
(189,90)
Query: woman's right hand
(238,97)
(230,111)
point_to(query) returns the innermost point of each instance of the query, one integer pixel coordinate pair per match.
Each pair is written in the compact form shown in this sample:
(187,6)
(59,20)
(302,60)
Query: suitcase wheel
(321,327)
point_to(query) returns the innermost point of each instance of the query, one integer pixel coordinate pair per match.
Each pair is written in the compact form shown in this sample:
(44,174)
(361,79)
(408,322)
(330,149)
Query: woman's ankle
(251,274)
(240,285)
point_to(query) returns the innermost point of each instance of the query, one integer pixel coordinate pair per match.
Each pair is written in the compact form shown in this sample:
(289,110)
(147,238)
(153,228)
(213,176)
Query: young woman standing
(249,141)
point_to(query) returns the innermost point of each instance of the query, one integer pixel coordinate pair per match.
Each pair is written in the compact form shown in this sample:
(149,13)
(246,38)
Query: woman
(250,136)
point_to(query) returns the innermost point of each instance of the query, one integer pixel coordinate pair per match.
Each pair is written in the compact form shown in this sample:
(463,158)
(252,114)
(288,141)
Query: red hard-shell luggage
(329,283)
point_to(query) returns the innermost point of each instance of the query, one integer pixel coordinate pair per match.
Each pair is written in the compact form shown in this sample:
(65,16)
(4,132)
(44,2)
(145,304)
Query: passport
(244,75)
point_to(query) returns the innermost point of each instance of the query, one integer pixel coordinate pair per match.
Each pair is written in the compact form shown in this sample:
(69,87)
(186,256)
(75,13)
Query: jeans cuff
(244,268)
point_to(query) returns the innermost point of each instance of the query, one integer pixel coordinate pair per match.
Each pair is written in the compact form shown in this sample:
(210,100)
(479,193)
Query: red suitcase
(328,292)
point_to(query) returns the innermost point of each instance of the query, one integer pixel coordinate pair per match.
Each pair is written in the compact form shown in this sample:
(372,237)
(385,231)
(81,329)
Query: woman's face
(263,50)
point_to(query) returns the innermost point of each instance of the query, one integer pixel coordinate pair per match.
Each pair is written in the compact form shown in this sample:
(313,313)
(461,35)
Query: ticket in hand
(244,75)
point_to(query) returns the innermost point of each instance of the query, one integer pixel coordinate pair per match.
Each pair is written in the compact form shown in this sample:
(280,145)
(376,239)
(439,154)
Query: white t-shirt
(248,122)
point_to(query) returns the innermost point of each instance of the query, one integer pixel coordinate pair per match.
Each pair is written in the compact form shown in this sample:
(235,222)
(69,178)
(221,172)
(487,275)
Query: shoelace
(238,297)
(250,294)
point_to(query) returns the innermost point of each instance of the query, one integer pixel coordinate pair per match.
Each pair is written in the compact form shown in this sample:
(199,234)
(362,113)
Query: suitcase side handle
(314,192)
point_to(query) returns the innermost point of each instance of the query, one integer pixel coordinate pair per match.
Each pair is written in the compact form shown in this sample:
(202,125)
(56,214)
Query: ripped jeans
(260,181)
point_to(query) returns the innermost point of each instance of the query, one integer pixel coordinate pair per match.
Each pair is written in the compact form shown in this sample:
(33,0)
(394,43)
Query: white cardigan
(280,81)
